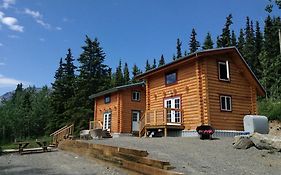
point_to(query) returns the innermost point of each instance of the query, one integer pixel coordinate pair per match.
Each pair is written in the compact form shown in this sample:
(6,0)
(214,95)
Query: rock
(266,141)
(242,142)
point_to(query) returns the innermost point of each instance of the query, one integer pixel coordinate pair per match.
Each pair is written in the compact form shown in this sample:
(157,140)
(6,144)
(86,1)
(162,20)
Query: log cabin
(212,87)
(119,109)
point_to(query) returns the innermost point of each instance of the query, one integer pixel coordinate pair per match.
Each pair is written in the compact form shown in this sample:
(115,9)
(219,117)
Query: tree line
(33,113)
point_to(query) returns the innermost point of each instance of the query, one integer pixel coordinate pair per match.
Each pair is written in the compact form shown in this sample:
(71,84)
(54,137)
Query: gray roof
(115,89)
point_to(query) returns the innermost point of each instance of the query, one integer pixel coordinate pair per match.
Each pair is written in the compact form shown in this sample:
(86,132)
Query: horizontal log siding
(113,106)
(186,87)
(128,106)
(239,88)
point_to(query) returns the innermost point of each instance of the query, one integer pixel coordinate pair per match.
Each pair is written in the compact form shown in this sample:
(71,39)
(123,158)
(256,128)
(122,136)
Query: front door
(173,106)
(135,120)
(107,121)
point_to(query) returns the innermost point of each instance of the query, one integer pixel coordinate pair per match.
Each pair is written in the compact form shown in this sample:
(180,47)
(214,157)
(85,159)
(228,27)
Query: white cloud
(38,17)
(1,44)
(42,39)
(10,82)
(34,14)
(10,22)
(2,64)
(7,3)
(58,28)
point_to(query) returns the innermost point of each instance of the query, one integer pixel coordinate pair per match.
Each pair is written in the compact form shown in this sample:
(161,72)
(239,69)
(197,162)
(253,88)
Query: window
(107,99)
(171,78)
(225,103)
(136,96)
(224,71)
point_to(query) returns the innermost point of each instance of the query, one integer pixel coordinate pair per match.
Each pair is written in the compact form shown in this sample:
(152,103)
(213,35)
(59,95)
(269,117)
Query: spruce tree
(208,43)
(193,43)
(179,43)
(136,71)
(258,39)
(154,64)
(126,74)
(233,39)
(94,76)
(241,42)
(119,79)
(174,57)
(147,66)
(225,39)
(161,61)
(249,48)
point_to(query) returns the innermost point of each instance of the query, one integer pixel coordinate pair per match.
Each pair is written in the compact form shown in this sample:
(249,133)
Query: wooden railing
(63,133)
(162,117)
(95,125)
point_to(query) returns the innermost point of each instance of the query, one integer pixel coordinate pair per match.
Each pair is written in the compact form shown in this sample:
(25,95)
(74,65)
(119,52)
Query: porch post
(165,131)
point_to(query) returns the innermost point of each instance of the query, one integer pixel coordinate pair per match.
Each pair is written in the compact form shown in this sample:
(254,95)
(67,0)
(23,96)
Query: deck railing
(63,133)
(161,117)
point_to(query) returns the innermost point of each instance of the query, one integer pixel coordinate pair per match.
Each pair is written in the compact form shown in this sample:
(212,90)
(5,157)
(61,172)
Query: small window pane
(223,71)
(171,78)
(107,99)
(228,103)
(223,103)
(136,96)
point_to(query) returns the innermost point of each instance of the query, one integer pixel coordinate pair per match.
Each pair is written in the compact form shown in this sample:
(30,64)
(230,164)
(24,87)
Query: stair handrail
(59,130)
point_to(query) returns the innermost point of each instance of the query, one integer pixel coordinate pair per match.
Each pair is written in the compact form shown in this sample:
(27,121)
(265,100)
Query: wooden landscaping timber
(131,159)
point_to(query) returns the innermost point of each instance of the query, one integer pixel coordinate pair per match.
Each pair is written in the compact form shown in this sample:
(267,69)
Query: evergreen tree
(126,74)
(119,79)
(185,53)
(136,71)
(208,43)
(147,66)
(249,47)
(154,64)
(174,57)
(258,39)
(225,39)
(233,39)
(94,76)
(241,42)
(193,43)
(179,43)
(161,61)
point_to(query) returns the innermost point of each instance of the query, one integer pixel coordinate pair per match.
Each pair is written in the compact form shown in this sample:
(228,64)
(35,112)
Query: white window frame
(227,70)
(225,103)
(133,95)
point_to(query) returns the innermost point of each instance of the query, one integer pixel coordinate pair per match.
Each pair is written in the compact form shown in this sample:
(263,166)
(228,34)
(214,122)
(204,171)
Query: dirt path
(195,156)
(54,163)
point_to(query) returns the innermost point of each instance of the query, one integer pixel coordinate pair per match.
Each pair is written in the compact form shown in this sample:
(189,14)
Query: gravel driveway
(54,163)
(195,156)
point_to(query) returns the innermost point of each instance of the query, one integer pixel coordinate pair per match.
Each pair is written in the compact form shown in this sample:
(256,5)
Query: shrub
(270,108)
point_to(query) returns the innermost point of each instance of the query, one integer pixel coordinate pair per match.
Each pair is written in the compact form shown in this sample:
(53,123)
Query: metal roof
(115,89)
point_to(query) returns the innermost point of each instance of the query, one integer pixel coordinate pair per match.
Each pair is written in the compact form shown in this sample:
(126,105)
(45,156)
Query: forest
(34,112)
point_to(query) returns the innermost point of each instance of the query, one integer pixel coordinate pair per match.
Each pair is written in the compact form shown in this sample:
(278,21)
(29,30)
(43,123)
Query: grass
(32,143)
(270,108)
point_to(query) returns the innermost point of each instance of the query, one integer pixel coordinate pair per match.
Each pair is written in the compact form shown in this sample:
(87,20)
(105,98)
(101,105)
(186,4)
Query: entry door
(173,115)
(107,121)
(135,120)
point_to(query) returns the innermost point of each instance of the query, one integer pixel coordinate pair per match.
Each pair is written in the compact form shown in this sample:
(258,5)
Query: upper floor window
(225,102)
(107,99)
(171,78)
(224,70)
(136,96)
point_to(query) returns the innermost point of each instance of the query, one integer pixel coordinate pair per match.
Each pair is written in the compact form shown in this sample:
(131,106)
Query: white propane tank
(256,123)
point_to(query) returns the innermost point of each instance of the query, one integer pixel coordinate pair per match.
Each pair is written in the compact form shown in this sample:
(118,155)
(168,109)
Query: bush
(270,108)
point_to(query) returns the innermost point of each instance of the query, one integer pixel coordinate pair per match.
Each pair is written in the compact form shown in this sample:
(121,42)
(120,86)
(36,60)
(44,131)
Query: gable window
(225,102)
(171,78)
(224,70)
(136,96)
(107,99)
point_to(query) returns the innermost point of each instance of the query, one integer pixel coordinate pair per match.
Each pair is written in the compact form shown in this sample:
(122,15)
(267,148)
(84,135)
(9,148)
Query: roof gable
(201,54)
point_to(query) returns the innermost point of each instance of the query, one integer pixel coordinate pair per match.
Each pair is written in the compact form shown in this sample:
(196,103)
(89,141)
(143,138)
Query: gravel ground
(54,163)
(195,156)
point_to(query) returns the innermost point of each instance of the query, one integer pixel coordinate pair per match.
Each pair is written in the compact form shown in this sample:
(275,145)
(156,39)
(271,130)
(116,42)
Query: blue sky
(35,34)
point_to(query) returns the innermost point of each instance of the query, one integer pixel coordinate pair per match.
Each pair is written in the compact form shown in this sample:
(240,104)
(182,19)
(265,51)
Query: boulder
(266,141)
(242,142)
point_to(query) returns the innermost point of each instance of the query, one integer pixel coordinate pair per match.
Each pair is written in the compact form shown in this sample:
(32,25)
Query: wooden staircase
(63,133)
